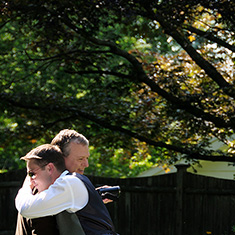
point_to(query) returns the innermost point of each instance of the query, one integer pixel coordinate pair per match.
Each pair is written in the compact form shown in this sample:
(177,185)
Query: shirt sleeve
(66,193)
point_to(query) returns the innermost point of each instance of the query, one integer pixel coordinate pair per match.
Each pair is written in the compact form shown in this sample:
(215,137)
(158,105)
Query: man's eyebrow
(83,156)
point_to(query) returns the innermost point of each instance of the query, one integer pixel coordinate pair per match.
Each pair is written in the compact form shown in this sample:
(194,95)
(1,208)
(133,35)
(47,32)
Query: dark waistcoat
(94,217)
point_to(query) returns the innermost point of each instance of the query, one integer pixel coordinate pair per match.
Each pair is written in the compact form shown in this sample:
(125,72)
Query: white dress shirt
(66,193)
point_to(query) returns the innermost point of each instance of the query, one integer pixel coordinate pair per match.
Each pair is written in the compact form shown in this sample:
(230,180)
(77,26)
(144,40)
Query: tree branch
(211,37)
(204,64)
(121,75)
(142,77)
(77,113)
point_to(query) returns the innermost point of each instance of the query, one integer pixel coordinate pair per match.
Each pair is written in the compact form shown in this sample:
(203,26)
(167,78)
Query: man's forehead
(79,147)
(31,163)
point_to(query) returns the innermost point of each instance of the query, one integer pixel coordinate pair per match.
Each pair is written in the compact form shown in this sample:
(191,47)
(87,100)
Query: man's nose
(86,163)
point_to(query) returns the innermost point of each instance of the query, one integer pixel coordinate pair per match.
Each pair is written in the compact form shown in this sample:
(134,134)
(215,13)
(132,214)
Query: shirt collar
(64,173)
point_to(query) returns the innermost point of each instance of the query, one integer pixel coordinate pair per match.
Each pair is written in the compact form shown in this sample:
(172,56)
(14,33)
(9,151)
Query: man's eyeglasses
(31,174)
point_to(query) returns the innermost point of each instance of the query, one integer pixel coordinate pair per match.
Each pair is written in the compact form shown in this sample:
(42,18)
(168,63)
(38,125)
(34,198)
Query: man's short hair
(65,137)
(46,153)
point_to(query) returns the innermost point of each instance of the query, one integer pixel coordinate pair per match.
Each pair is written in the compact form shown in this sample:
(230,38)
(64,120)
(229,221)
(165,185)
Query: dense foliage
(146,81)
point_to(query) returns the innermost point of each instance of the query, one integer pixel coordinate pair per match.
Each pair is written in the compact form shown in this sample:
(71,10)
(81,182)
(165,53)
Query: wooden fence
(172,204)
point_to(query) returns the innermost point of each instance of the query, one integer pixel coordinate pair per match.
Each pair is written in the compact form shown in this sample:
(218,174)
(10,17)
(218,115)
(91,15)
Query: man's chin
(80,172)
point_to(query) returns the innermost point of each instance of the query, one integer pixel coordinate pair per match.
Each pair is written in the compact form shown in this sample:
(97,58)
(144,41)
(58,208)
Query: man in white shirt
(58,191)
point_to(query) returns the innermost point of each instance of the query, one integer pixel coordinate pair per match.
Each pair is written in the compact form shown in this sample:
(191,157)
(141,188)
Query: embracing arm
(67,193)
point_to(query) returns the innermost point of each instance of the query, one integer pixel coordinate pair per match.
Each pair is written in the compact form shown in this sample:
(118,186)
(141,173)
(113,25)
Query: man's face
(77,160)
(40,176)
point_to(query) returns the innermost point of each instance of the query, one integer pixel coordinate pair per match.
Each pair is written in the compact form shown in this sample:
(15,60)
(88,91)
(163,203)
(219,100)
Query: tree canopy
(144,81)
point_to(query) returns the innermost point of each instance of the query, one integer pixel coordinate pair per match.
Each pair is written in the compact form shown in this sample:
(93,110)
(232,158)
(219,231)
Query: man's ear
(50,167)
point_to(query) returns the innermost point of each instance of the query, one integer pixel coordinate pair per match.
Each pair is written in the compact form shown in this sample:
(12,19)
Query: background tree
(145,81)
